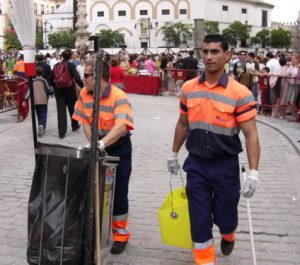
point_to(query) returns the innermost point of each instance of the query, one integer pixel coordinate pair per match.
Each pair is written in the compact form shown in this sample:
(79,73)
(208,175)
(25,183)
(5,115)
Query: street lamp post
(46,31)
(150,27)
(145,35)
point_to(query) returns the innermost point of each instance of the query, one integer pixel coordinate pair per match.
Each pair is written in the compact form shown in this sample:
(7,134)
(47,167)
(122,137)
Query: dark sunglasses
(87,75)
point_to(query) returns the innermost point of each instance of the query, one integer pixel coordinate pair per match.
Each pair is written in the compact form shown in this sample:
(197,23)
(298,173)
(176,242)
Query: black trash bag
(56,208)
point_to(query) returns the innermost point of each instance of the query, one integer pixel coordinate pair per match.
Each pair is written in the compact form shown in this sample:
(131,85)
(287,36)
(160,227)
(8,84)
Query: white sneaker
(40,131)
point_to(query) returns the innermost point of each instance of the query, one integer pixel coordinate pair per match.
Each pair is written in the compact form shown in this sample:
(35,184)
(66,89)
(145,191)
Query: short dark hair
(191,52)
(66,54)
(39,71)
(40,57)
(105,69)
(251,54)
(217,38)
(270,55)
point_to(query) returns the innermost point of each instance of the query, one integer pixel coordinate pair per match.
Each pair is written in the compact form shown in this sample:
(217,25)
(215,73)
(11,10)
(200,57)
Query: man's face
(89,78)
(294,60)
(242,56)
(214,57)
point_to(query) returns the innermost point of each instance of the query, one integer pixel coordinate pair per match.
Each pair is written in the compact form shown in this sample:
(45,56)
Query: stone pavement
(275,207)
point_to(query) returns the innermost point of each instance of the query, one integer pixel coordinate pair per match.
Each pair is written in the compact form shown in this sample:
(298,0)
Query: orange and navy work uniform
(19,68)
(212,166)
(114,108)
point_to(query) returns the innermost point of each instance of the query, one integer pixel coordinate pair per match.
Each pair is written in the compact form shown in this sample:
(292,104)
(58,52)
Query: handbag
(174,219)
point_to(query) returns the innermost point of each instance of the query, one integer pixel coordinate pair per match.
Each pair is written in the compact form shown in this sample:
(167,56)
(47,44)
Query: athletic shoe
(118,247)
(226,247)
(40,131)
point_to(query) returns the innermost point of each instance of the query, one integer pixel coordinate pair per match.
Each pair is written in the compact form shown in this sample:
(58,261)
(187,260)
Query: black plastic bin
(57,202)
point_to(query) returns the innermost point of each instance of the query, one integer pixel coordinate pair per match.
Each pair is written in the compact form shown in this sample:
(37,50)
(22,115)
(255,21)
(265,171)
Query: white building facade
(141,20)
(41,7)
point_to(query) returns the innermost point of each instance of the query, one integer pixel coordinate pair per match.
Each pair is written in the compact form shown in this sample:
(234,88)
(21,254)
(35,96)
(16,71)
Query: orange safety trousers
(120,231)
(205,256)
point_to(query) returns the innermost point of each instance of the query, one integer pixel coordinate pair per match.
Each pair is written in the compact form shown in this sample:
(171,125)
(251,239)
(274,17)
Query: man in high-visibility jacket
(213,110)
(115,122)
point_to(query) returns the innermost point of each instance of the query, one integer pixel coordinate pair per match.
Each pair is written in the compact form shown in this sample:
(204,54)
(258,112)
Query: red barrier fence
(12,91)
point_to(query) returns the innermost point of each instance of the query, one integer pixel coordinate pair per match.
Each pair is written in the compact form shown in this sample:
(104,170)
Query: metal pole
(149,33)
(30,83)
(250,222)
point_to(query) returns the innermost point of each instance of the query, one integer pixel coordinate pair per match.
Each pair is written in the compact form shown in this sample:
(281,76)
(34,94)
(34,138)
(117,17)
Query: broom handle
(97,215)
(95,152)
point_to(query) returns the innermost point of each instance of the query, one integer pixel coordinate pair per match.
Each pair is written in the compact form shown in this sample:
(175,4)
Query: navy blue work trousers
(124,152)
(213,190)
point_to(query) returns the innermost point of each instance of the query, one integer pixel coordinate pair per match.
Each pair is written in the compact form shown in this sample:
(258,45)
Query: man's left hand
(250,184)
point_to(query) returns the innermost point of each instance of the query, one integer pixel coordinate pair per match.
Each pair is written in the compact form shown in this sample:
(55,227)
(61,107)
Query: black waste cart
(58,201)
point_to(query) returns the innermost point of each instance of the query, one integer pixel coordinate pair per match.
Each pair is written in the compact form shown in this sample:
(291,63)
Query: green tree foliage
(280,38)
(11,41)
(263,37)
(62,39)
(109,38)
(39,43)
(236,31)
(177,33)
(211,27)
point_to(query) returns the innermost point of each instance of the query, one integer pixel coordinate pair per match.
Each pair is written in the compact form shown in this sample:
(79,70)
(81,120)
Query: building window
(122,13)
(264,18)
(100,13)
(182,11)
(143,12)
(42,9)
(244,10)
(52,9)
(165,12)
(35,8)
(225,8)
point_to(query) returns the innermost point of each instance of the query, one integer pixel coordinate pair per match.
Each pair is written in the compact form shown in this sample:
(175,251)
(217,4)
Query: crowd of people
(274,79)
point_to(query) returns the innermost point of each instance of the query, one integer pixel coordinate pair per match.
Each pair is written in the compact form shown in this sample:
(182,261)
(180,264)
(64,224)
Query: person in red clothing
(117,74)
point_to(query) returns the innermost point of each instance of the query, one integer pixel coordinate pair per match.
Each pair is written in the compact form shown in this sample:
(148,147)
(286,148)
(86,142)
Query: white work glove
(250,183)
(173,165)
(101,146)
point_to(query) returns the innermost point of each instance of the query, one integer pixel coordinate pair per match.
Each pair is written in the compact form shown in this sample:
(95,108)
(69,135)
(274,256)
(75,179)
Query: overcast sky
(285,10)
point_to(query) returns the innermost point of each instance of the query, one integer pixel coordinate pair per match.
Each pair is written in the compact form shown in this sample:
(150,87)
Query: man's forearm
(181,132)
(253,150)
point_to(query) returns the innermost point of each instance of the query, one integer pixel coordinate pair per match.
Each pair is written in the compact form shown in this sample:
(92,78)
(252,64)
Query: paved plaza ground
(275,206)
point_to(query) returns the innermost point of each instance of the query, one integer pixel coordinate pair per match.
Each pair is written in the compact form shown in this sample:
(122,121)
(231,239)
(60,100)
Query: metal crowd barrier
(12,91)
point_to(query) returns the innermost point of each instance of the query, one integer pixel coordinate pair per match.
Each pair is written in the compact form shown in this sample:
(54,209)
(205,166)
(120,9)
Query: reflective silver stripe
(121,231)
(246,100)
(121,102)
(210,95)
(123,217)
(80,114)
(103,132)
(214,128)
(101,108)
(87,105)
(204,245)
(106,109)
(181,93)
(123,116)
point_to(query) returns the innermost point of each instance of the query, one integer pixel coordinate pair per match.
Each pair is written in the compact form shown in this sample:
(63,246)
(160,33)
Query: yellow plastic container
(174,220)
